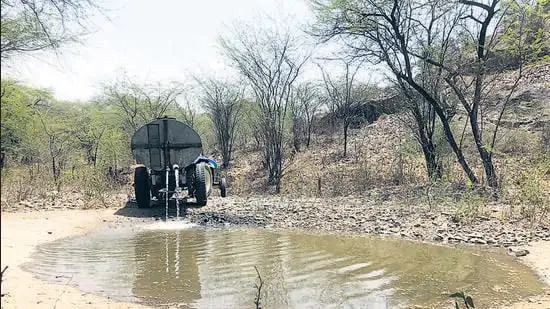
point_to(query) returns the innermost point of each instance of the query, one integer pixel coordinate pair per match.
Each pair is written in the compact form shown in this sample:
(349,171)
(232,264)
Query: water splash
(178,190)
(170,225)
(177,208)
(167,192)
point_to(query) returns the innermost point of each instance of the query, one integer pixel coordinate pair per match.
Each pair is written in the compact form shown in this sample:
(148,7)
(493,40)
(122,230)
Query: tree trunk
(485,155)
(54,170)
(432,165)
(225,155)
(446,129)
(225,163)
(308,139)
(346,126)
(458,152)
(296,136)
(95,154)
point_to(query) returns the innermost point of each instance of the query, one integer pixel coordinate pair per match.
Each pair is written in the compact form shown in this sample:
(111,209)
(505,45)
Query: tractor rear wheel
(202,184)
(142,187)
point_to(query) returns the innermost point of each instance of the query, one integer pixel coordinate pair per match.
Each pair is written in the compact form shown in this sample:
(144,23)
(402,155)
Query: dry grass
(384,163)
(87,187)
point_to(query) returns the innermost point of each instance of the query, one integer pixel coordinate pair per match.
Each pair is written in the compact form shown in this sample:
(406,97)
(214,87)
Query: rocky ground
(372,215)
(357,216)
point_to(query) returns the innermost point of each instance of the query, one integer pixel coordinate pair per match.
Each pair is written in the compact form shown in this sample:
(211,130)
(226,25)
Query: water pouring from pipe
(177,194)
(167,190)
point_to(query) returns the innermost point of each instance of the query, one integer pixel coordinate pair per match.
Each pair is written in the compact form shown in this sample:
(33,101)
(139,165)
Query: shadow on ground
(201,216)
(157,210)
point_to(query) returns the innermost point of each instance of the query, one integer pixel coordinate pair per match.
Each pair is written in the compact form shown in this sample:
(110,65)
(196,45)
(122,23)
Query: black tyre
(142,187)
(223,187)
(190,180)
(202,184)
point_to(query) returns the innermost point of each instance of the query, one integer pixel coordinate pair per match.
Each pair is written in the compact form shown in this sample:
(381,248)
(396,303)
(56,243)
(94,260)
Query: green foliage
(524,33)
(203,126)
(51,145)
(18,113)
(47,142)
(470,205)
(247,131)
(530,191)
(38,25)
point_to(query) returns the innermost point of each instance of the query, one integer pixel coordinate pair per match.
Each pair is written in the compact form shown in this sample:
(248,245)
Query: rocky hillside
(385,162)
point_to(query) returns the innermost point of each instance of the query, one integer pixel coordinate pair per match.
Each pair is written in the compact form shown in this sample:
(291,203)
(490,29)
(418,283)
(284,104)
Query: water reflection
(167,266)
(214,268)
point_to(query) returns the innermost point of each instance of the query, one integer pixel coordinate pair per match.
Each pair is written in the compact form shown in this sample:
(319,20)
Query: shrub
(470,205)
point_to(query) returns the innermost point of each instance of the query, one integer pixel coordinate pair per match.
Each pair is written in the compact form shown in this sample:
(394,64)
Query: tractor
(171,165)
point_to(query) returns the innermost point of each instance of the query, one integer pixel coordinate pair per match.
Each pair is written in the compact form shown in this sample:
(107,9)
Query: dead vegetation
(33,187)
(384,162)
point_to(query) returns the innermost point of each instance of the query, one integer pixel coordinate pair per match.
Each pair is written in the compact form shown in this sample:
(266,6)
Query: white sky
(165,42)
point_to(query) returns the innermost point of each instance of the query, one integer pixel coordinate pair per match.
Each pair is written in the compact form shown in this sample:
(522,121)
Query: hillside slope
(384,161)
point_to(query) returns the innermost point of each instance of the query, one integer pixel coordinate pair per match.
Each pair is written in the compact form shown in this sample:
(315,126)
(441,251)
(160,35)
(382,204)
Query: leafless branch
(258,289)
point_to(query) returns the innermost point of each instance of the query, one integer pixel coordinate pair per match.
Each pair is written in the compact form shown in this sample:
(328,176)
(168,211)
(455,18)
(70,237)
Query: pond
(186,266)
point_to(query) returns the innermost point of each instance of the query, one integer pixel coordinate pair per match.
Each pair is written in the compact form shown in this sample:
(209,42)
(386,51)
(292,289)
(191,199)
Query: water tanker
(171,165)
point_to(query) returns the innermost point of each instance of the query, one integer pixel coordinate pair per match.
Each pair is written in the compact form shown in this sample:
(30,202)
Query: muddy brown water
(197,267)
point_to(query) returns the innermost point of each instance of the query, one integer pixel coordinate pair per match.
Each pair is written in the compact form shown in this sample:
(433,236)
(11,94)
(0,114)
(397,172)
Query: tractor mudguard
(213,164)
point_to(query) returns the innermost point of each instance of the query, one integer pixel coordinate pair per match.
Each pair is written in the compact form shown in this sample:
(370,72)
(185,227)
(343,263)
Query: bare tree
(449,41)
(58,138)
(222,102)
(473,88)
(187,112)
(306,101)
(35,25)
(340,95)
(421,120)
(392,32)
(271,62)
(140,104)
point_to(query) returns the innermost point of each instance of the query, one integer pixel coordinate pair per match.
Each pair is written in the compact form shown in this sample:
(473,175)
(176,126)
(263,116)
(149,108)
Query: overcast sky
(162,42)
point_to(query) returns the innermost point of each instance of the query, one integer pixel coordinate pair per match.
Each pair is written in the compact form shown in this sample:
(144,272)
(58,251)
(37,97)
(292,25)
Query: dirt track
(23,231)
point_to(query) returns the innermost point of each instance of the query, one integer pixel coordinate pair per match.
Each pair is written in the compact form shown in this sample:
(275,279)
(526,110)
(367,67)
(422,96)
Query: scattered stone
(475,235)
(456,238)
(518,252)
(477,241)
(357,215)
